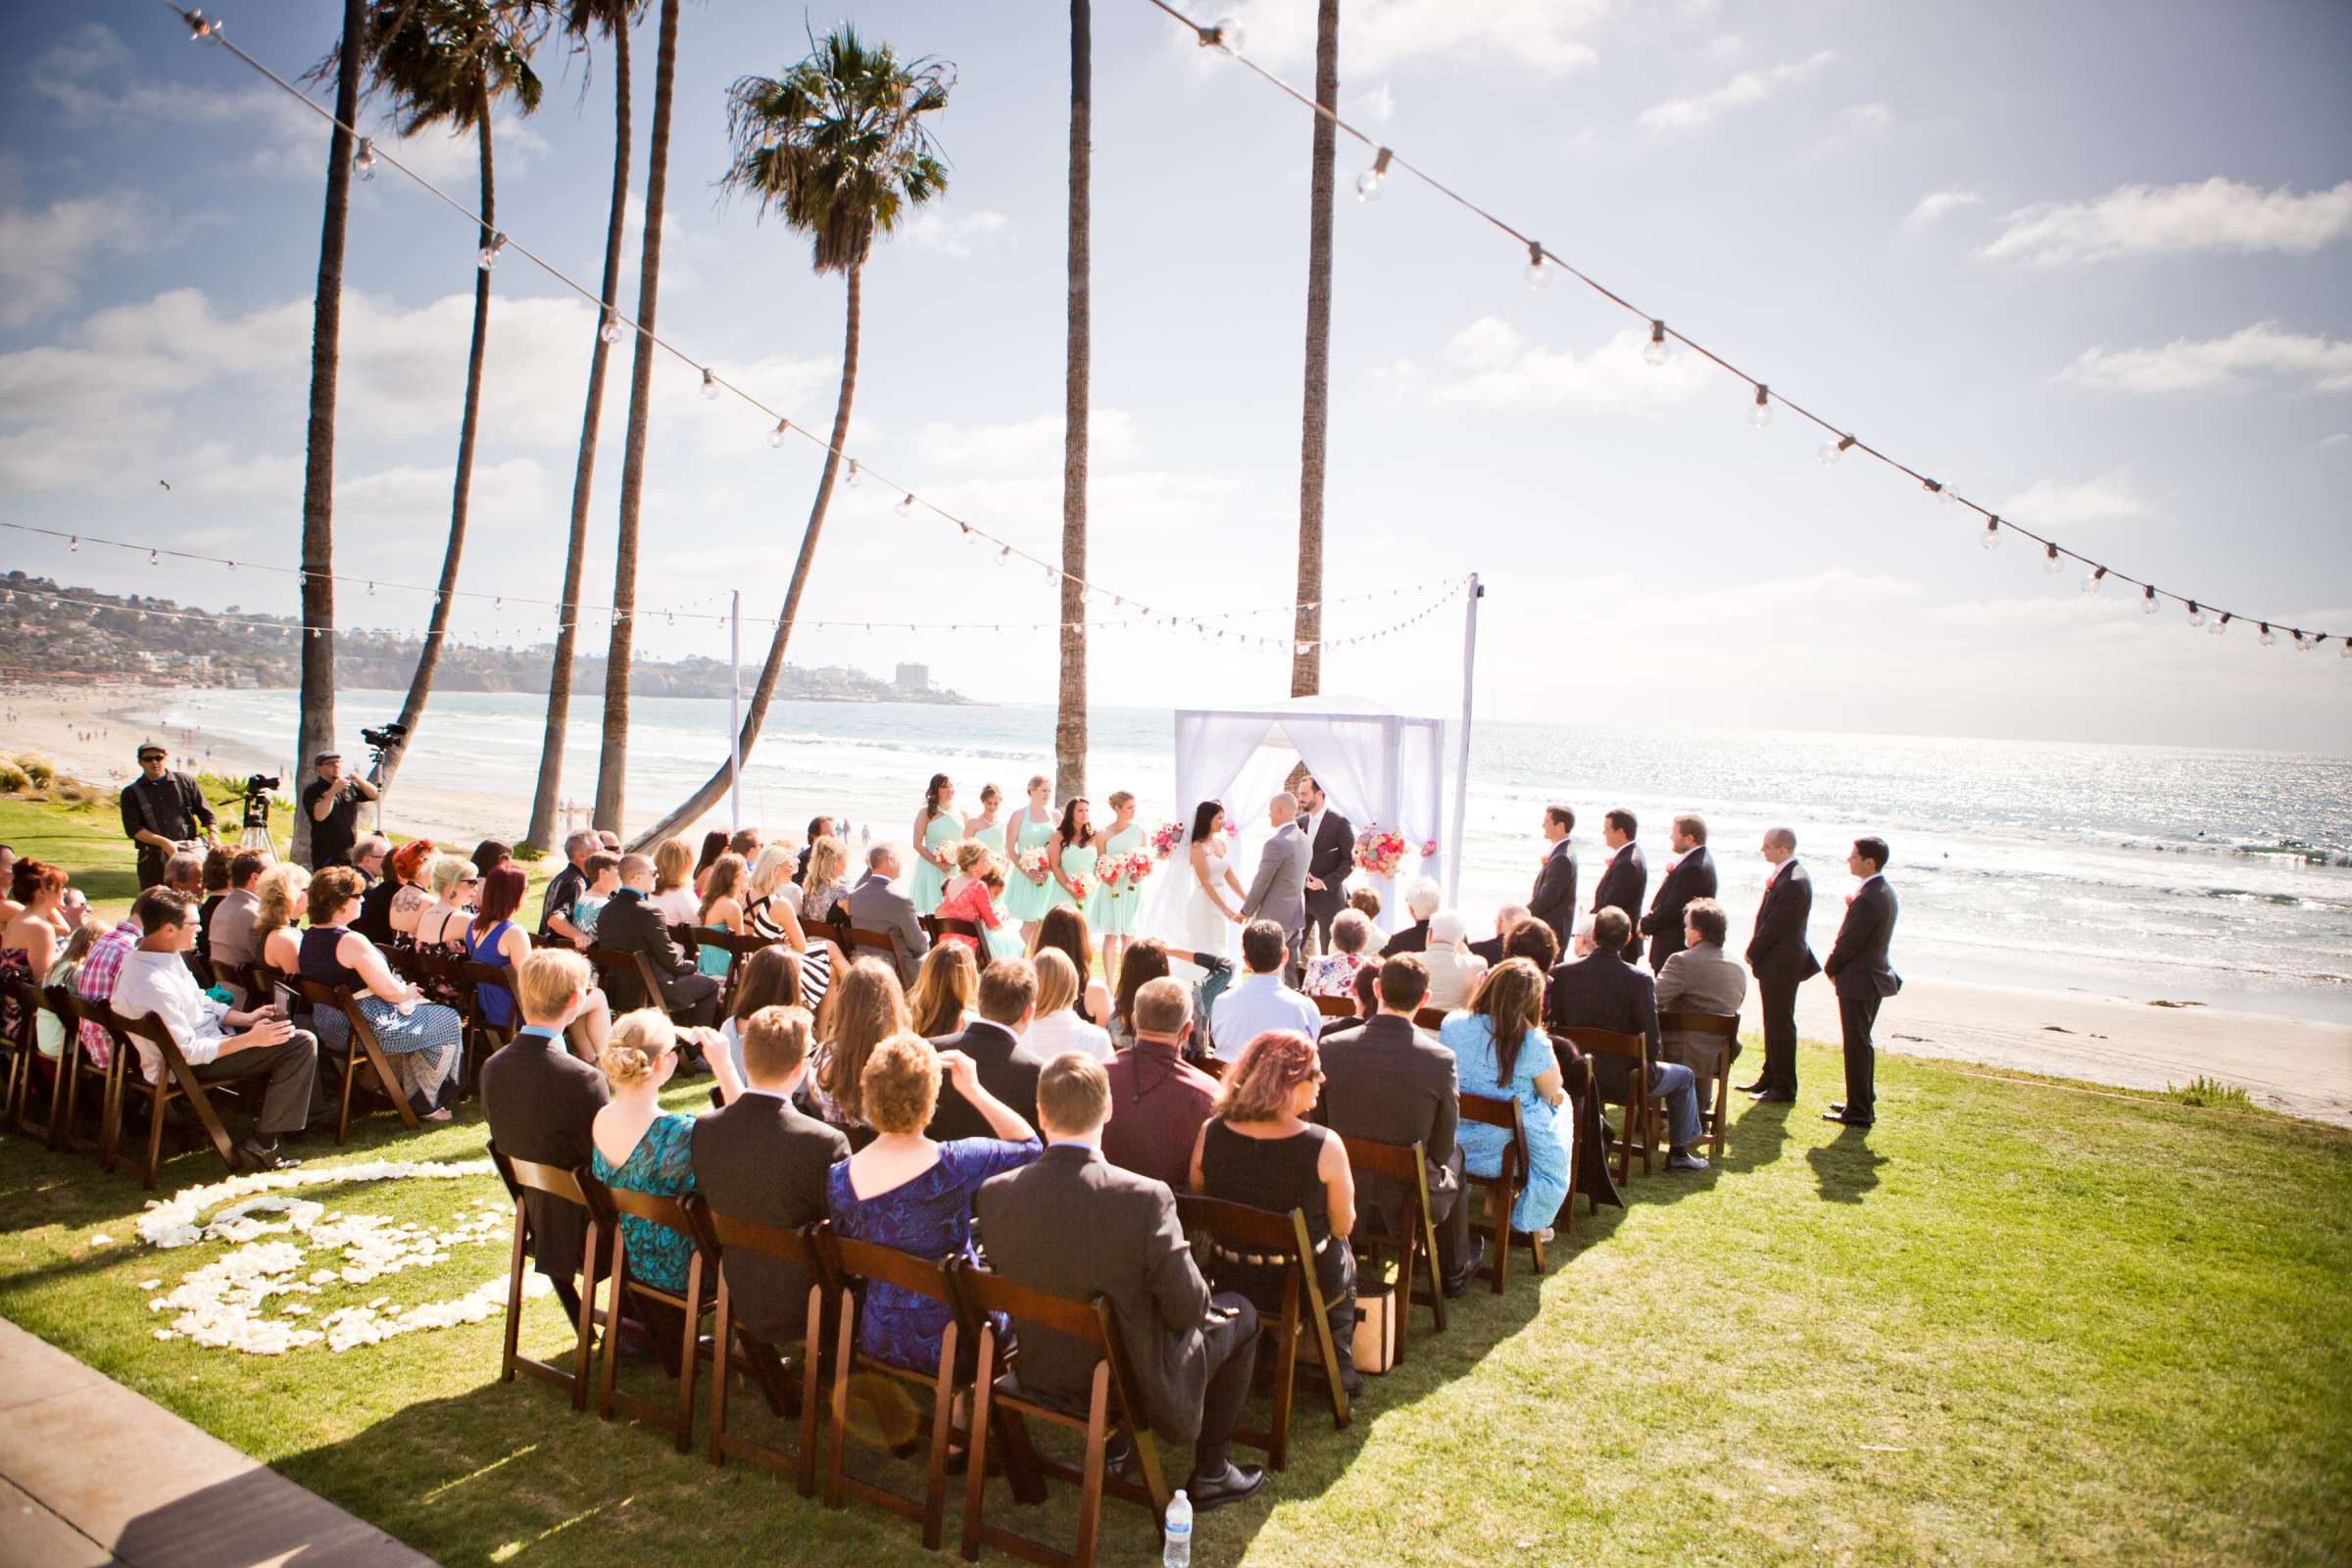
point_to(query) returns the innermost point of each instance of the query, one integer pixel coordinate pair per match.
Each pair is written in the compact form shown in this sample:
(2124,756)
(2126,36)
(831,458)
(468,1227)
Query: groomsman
(1858,968)
(1553,901)
(1689,878)
(1625,878)
(1330,843)
(1781,960)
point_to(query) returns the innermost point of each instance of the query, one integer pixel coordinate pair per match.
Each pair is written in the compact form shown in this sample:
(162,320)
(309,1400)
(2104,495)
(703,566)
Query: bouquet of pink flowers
(1082,887)
(1122,872)
(1136,865)
(1163,839)
(1032,863)
(1379,851)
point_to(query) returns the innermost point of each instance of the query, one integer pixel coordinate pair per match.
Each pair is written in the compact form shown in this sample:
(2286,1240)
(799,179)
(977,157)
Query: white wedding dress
(1203,927)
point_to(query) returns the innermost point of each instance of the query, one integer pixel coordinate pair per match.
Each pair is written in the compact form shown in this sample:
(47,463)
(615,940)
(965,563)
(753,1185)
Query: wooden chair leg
(1286,1376)
(343,1120)
(723,1345)
(617,1275)
(835,1457)
(811,1339)
(158,1101)
(1498,1213)
(1723,1081)
(975,1463)
(1429,1261)
(681,1426)
(591,1281)
(513,1335)
(1400,1302)
(935,1480)
(1089,1495)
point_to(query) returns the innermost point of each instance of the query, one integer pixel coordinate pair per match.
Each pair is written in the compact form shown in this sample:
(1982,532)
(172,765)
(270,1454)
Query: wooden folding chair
(75,1073)
(1634,1050)
(1719,1034)
(1336,1006)
(1095,1326)
(947,925)
(561,1186)
(1429,1018)
(175,1080)
(734,1347)
(359,1042)
(607,1204)
(849,1266)
(1503,1189)
(23,1045)
(623,975)
(240,981)
(1278,1238)
(880,940)
(1414,1233)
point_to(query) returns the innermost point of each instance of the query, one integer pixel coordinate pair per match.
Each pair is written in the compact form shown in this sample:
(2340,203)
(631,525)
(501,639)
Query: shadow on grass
(1846,1166)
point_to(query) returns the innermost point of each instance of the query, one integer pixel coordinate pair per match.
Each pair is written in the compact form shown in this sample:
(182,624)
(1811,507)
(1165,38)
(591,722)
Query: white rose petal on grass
(150,1284)
(102,1241)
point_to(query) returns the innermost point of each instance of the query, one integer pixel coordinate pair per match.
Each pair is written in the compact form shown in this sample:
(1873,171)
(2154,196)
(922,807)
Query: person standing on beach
(1625,878)
(162,811)
(333,804)
(1782,960)
(1859,969)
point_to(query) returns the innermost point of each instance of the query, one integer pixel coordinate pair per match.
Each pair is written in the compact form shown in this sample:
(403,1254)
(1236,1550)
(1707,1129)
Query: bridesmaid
(987,822)
(1113,913)
(936,827)
(1028,897)
(1072,854)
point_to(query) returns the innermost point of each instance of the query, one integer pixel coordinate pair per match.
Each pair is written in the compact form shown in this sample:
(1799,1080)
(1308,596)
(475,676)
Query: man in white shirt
(1259,1001)
(155,980)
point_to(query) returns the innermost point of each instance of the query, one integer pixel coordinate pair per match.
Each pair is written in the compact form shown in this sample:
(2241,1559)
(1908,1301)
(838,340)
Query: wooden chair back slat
(887,1265)
(1715,1025)
(1429,1018)
(1634,1050)
(1415,1234)
(985,1291)
(1336,1006)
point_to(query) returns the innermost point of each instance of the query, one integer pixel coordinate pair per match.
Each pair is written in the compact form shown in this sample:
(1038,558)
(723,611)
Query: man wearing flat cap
(332,800)
(162,811)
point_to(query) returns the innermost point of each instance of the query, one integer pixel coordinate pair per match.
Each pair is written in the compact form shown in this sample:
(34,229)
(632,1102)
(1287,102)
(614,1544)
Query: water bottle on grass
(1178,1550)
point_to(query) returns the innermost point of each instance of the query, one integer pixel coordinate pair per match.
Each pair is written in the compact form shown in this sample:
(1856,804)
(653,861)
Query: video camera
(386,739)
(259,787)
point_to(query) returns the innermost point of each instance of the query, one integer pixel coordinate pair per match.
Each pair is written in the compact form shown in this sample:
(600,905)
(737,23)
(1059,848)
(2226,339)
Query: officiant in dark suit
(1689,878)
(1625,878)
(1781,960)
(1331,856)
(1859,969)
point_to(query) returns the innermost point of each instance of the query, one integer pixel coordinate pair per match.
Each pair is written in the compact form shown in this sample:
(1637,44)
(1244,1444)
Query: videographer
(160,812)
(333,804)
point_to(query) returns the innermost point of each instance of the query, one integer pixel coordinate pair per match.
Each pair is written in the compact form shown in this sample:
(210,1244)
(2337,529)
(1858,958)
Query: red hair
(502,896)
(1261,1084)
(408,862)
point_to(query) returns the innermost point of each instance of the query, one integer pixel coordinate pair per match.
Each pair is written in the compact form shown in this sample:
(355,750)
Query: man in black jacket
(539,1100)
(761,1159)
(1782,960)
(1331,855)
(162,811)
(1554,901)
(1393,1083)
(1603,989)
(1690,878)
(1859,969)
(1626,877)
(1073,1225)
(630,925)
(1008,1004)
(1490,948)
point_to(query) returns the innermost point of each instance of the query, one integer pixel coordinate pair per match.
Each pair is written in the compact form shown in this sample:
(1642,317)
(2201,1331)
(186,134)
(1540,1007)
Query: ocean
(2153,873)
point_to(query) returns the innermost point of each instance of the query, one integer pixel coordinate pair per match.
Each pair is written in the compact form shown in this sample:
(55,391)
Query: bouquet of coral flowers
(1123,872)
(1379,851)
(1082,887)
(1165,839)
(1233,829)
(1032,863)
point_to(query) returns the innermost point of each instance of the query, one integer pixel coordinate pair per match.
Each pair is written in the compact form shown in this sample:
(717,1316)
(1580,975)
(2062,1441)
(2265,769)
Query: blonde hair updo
(639,1042)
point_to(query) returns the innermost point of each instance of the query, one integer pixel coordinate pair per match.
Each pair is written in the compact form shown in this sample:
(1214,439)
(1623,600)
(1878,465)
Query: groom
(1279,892)
(1331,855)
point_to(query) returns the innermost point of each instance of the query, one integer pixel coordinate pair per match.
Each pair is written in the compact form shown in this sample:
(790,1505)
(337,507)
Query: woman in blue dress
(936,826)
(1028,894)
(1502,1053)
(1118,900)
(904,1192)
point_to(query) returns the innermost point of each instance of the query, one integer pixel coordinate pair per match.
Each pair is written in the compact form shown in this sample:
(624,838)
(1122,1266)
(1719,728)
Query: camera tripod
(256,834)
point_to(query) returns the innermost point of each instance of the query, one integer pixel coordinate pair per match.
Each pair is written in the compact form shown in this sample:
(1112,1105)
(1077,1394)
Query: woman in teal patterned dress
(935,828)
(1027,897)
(1114,910)
(1071,854)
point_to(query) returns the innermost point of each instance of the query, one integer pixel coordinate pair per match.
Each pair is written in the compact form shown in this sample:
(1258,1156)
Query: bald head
(1282,808)
(1780,843)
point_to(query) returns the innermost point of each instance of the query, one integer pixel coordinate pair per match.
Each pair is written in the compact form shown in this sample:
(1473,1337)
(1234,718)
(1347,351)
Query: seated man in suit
(1158,1099)
(539,1099)
(1701,979)
(762,1160)
(632,924)
(1421,900)
(1601,988)
(1490,948)
(1007,1005)
(875,906)
(1073,1225)
(1394,1083)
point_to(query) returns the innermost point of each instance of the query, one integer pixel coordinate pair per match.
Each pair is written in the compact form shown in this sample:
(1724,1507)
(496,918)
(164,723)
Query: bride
(1209,916)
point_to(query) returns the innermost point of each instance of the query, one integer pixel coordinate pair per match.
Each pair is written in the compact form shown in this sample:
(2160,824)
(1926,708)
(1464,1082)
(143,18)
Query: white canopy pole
(1461,766)
(735,711)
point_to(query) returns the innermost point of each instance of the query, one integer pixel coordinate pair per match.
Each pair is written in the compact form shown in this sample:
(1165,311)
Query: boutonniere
(1849,900)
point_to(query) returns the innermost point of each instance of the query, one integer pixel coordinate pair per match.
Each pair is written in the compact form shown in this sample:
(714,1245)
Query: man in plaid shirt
(96,983)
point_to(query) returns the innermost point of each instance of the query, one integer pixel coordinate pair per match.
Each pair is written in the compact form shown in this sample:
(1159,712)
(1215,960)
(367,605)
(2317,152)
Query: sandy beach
(2295,1066)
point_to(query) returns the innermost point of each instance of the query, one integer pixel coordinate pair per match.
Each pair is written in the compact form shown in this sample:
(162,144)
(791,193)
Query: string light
(709,385)
(2147,600)
(1539,276)
(2196,613)
(1760,413)
(2050,562)
(775,437)
(204,30)
(363,161)
(2267,639)
(851,480)
(1368,183)
(73,545)
(2302,644)
(155,557)
(1655,351)
(2098,576)
(1993,533)
(2221,624)
(610,330)
(488,258)
(906,503)
(1226,35)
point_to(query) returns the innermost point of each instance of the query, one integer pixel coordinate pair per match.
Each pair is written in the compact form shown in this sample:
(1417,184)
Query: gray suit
(874,906)
(1279,891)
(1701,979)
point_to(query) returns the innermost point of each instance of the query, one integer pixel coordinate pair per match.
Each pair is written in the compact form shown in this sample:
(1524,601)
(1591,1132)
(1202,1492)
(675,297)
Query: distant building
(914,678)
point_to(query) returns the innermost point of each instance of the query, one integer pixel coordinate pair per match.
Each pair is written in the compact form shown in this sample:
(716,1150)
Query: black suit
(1330,858)
(1393,1083)
(1554,901)
(539,1099)
(1622,883)
(1858,968)
(1489,949)
(630,925)
(761,1159)
(1782,960)
(1605,990)
(1413,938)
(1693,877)
(1006,1071)
(1071,1224)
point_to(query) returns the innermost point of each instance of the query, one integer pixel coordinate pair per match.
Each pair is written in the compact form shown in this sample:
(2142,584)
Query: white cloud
(1691,115)
(1375,36)
(1505,372)
(1851,124)
(2255,353)
(45,255)
(2056,504)
(958,235)
(2337,439)
(1377,104)
(2219,214)
(1937,206)
(1025,444)
(513,491)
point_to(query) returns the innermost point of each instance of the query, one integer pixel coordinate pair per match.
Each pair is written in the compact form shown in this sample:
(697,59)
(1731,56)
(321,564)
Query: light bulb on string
(363,161)
(232,565)
(2343,648)
(709,385)
(2220,625)
(2301,646)
(1368,183)
(2147,601)
(905,506)
(2090,585)
(372,588)
(1991,539)
(2266,639)
(1656,350)
(202,28)
(2050,562)
(1225,35)
(155,557)
(1832,451)
(2196,613)
(775,437)
(488,258)
(609,331)
(851,480)
(1760,413)
(72,545)
(1539,276)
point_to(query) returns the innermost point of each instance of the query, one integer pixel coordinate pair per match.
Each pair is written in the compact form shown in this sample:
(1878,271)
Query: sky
(2089,265)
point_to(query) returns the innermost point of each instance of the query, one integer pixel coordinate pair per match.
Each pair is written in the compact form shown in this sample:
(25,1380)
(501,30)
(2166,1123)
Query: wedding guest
(491,853)
(331,801)
(443,923)
(629,925)
(1421,899)
(1626,877)
(1857,967)
(994,1042)
(216,888)
(367,858)
(1072,1224)
(1366,902)
(913,1193)
(1455,971)
(715,845)
(944,990)
(773,917)
(30,942)
(1158,1099)
(936,826)
(761,1159)
(823,878)
(1554,898)
(1031,887)
(875,906)
(184,874)
(50,1037)
(1261,1150)
(1502,1053)
(673,883)
(1116,906)
(420,1039)
(1333,973)
(155,980)
(770,978)
(1147,960)
(1065,928)
(95,982)
(161,812)
(13,891)
(1058,1028)
(409,871)
(565,889)
(744,841)
(1782,960)
(1602,988)
(492,938)
(283,891)
(722,910)
(540,1102)
(1692,876)
(868,1007)
(231,934)
(1367,1005)
(979,827)
(1701,979)
(1490,949)
(973,893)
(820,827)
(1259,1001)
(603,869)
(1533,940)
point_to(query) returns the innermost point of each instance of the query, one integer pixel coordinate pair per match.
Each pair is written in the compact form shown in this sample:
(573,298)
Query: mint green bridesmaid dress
(1116,908)
(928,881)
(1025,900)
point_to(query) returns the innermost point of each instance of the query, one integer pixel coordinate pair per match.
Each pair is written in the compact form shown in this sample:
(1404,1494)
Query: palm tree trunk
(1306,655)
(542,831)
(691,809)
(613,770)
(314,729)
(1069,724)
(461,490)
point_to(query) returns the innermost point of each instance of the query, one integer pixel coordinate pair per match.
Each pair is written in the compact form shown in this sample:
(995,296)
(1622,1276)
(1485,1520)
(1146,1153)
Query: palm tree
(613,19)
(314,729)
(1069,702)
(838,149)
(446,62)
(611,775)
(1306,657)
